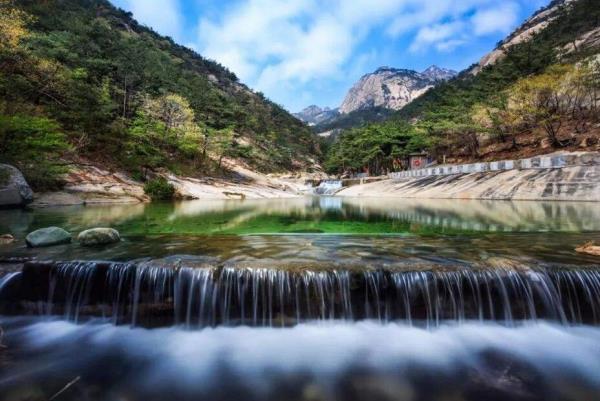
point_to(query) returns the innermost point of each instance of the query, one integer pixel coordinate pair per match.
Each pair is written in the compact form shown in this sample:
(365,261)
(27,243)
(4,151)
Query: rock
(546,143)
(47,237)
(98,236)
(314,115)
(392,88)
(14,190)
(6,239)
(589,248)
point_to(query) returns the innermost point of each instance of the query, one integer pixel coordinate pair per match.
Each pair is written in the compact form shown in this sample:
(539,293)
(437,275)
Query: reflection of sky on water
(330,203)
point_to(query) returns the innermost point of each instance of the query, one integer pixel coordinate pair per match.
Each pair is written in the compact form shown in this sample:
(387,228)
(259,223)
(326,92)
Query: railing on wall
(540,162)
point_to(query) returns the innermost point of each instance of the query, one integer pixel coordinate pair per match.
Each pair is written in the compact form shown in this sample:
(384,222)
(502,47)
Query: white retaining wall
(540,162)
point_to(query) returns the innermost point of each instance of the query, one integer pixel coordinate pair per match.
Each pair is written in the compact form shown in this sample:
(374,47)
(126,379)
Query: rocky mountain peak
(386,87)
(314,114)
(392,88)
(436,73)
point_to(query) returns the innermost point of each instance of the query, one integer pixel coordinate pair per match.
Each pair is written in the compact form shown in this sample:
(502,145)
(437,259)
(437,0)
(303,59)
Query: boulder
(98,236)
(47,237)
(589,248)
(14,190)
(6,239)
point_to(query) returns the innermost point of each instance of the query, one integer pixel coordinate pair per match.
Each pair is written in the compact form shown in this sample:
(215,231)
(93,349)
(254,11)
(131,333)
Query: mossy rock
(48,236)
(98,236)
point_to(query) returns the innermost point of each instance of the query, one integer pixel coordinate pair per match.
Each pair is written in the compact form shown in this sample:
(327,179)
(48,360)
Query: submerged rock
(14,190)
(589,249)
(47,237)
(6,239)
(98,236)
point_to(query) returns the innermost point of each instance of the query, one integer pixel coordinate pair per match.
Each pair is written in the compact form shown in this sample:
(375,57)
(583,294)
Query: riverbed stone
(6,239)
(589,248)
(98,236)
(14,190)
(47,237)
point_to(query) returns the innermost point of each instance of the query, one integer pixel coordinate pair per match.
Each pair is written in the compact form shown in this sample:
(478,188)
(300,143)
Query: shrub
(34,145)
(159,189)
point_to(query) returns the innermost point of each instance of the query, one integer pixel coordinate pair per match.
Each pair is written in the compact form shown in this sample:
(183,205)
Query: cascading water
(328,187)
(334,299)
(6,280)
(150,294)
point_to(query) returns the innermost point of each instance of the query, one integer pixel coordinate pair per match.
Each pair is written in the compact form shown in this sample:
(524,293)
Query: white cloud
(501,18)
(488,18)
(279,47)
(449,45)
(442,36)
(269,40)
(163,16)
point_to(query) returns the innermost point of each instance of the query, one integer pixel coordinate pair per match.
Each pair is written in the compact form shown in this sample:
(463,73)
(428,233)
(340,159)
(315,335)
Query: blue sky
(302,52)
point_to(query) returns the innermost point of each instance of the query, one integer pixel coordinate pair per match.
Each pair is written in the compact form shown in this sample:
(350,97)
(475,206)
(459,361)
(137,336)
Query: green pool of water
(321,228)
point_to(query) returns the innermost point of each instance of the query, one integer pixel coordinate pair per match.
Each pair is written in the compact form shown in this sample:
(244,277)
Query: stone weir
(157,294)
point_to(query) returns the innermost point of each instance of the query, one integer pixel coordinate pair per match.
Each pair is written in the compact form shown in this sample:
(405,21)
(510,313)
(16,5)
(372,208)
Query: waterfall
(328,187)
(7,279)
(147,294)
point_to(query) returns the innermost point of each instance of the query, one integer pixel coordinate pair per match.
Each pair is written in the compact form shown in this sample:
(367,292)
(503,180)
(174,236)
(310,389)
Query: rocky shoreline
(93,185)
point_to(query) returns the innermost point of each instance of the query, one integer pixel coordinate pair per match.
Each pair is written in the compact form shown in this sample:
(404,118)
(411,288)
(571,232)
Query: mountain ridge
(523,33)
(314,115)
(499,109)
(385,88)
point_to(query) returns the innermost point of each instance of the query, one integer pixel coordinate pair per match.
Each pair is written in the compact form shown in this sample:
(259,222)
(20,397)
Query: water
(328,187)
(307,299)
(194,294)
(333,361)
(323,229)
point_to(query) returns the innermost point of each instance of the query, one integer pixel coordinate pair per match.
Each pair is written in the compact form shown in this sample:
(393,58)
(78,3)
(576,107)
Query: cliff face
(535,24)
(392,88)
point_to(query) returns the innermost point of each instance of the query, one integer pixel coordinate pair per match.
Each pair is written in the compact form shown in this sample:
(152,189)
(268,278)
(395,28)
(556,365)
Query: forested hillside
(542,96)
(82,78)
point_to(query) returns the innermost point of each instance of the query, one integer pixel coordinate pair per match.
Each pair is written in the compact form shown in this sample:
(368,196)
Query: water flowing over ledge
(205,294)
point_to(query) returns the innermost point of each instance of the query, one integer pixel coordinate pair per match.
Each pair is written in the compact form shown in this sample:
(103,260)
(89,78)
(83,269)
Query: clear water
(323,229)
(505,309)
(334,361)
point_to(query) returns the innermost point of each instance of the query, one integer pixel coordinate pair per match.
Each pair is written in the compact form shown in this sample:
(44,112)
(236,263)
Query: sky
(304,52)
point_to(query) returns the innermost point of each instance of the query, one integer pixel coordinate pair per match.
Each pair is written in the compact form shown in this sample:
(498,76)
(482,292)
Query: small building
(418,160)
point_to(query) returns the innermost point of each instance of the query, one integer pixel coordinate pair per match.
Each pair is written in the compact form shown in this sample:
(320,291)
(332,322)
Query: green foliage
(33,144)
(377,148)
(356,118)
(122,92)
(455,98)
(159,189)
(241,151)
